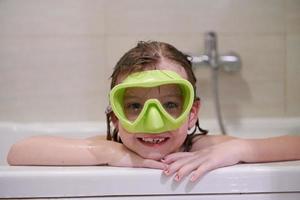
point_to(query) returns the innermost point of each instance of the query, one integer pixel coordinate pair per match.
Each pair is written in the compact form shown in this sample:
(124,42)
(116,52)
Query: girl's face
(156,146)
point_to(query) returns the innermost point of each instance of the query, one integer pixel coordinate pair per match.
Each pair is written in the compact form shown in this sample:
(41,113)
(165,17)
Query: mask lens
(173,105)
(169,96)
(132,107)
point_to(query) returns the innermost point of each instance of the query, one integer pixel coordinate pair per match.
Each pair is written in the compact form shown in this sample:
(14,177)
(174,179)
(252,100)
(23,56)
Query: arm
(50,150)
(271,149)
(221,152)
(202,142)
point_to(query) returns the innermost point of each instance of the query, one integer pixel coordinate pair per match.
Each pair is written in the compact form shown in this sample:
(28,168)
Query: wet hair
(146,56)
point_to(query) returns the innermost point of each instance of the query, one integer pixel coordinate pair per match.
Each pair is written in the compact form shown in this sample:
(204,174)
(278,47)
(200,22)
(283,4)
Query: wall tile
(258,89)
(179,16)
(118,45)
(52,78)
(34,17)
(293,16)
(293,74)
(253,99)
(263,56)
(240,98)
(56,56)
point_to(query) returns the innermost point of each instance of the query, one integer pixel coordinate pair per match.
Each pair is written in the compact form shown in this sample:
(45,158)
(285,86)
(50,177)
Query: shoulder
(97,137)
(204,141)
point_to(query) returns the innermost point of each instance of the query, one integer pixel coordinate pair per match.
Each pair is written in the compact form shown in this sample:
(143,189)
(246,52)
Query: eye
(170,105)
(132,110)
(174,108)
(134,106)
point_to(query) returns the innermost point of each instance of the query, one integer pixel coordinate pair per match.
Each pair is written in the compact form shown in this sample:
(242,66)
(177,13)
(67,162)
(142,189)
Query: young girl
(154,111)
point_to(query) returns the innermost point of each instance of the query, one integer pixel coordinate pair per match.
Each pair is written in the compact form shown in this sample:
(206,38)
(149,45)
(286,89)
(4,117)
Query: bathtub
(280,180)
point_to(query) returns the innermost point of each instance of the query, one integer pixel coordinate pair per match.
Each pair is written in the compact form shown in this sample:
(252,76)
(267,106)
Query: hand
(202,161)
(123,157)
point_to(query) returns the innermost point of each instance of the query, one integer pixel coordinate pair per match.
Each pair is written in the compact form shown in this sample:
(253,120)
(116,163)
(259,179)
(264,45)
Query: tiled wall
(56,55)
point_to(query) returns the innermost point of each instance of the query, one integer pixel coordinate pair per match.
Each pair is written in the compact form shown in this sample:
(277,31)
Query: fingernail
(193,178)
(162,160)
(166,167)
(167,171)
(177,178)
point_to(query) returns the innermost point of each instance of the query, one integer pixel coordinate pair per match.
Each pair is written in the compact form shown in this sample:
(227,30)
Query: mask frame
(153,118)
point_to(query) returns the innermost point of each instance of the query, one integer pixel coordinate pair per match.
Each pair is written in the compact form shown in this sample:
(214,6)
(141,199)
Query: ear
(193,116)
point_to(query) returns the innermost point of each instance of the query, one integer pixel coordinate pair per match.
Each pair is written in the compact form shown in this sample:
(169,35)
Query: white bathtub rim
(113,181)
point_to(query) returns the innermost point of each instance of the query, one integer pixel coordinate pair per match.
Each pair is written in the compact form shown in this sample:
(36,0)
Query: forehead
(164,64)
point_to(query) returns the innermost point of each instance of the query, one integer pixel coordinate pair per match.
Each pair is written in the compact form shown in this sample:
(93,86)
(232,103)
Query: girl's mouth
(153,141)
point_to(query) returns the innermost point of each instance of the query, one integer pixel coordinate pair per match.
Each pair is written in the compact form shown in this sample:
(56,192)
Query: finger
(148,163)
(188,168)
(201,170)
(209,165)
(175,166)
(175,156)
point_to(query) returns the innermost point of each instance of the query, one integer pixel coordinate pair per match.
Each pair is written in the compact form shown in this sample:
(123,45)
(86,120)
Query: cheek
(128,139)
(124,135)
(180,134)
(184,127)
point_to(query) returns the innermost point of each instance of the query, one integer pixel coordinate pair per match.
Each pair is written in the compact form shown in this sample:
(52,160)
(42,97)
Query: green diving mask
(152,101)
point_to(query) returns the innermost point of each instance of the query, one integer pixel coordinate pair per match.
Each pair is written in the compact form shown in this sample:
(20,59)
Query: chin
(153,155)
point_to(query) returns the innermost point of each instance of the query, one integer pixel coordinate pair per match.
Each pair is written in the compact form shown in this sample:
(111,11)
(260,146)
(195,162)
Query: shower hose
(216,98)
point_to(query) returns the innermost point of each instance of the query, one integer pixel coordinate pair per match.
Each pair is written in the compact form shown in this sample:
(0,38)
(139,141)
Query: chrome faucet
(230,62)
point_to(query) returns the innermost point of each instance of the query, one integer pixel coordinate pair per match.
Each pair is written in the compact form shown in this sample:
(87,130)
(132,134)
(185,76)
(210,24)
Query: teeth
(153,140)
